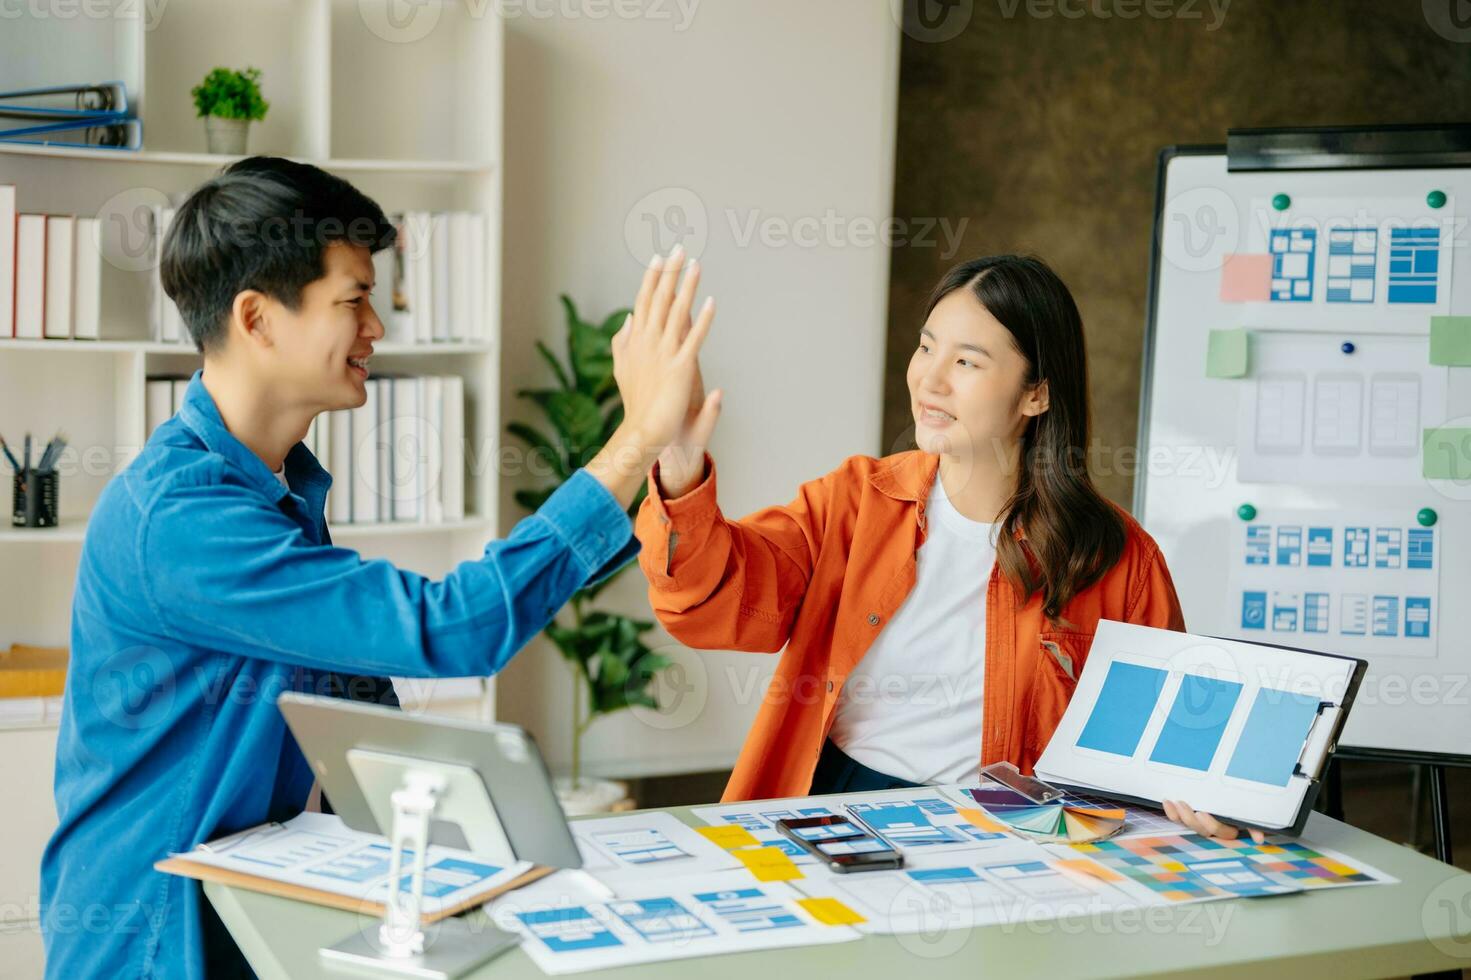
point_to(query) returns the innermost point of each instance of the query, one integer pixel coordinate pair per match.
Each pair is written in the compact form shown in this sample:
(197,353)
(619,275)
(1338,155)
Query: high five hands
(656,364)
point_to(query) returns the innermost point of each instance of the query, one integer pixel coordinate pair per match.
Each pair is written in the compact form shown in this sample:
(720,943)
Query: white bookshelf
(415,124)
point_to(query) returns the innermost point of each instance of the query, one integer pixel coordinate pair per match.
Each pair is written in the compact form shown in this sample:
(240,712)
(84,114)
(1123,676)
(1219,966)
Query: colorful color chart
(1188,867)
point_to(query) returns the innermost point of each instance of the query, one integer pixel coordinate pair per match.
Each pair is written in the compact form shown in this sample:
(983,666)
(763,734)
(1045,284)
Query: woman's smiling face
(968,387)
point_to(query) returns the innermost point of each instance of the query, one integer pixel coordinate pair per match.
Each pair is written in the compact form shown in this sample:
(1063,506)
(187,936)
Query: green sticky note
(1447,454)
(1226,354)
(1450,340)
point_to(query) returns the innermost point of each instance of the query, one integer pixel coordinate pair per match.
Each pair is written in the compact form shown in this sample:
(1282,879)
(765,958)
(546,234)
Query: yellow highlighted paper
(768,864)
(830,911)
(728,838)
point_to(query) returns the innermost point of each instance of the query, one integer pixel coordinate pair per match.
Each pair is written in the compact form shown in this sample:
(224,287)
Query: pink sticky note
(1246,279)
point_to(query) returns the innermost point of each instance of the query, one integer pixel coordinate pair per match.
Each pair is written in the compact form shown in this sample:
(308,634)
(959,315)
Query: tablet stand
(405,795)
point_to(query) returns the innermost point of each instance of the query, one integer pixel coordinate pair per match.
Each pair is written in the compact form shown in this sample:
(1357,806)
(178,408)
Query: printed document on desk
(318,852)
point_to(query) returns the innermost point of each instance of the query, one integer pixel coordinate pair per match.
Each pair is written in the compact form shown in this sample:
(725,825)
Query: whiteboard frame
(1327,136)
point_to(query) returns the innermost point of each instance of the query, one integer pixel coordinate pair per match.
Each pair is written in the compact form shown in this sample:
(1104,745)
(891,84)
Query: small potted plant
(229,101)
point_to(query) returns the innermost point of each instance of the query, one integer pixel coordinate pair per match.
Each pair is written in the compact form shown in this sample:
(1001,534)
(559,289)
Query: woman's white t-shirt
(911,708)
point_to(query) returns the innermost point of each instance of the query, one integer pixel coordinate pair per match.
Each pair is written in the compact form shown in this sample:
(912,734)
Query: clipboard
(182,866)
(1313,755)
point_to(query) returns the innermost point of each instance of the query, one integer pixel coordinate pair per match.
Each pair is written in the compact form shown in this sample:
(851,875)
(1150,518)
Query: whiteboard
(1210,444)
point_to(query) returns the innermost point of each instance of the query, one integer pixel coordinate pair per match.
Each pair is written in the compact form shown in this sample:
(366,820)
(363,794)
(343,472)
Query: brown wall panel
(1041,131)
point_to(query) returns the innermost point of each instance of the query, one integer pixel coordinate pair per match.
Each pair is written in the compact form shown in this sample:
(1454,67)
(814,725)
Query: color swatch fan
(1058,820)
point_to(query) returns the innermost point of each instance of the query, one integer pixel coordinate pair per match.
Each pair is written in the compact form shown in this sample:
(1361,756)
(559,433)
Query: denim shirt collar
(308,480)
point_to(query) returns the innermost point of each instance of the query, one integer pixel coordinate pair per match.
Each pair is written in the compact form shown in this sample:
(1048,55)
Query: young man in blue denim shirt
(208,583)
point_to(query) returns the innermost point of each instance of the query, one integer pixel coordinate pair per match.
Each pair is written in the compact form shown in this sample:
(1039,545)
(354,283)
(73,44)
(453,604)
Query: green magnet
(1436,199)
(1281,202)
(1246,512)
(1427,517)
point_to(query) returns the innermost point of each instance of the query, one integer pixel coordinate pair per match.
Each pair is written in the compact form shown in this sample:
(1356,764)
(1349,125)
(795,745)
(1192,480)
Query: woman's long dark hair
(1072,535)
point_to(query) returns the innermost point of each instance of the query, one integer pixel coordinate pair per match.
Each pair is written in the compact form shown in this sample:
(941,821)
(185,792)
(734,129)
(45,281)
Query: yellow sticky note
(983,820)
(728,837)
(830,911)
(1092,869)
(768,864)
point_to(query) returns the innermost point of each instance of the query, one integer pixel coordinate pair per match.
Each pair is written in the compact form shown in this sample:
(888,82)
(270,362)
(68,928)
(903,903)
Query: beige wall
(767,127)
(1040,122)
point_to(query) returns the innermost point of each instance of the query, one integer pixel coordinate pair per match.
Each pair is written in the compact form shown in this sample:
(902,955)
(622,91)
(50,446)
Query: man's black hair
(263,224)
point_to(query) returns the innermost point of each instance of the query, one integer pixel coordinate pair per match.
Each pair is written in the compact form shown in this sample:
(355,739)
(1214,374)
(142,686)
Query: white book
(30,276)
(61,249)
(453,480)
(158,403)
(439,260)
(395,293)
(407,454)
(460,272)
(339,501)
(7,261)
(179,386)
(173,325)
(432,401)
(419,274)
(479,326)
(156,297)
(383,449)
(87,281)
(363,466)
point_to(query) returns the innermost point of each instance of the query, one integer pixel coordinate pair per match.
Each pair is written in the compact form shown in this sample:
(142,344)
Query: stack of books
(97,116)
(398,458)
(430,287)
(52,274)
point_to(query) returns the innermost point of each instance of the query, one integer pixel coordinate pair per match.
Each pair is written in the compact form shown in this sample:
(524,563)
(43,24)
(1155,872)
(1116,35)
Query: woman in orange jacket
(935,606)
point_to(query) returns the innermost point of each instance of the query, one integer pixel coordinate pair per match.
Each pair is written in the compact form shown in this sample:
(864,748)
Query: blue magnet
(1347,347)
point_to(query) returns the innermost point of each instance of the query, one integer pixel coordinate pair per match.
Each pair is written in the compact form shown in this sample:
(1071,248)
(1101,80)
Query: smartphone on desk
(841,843)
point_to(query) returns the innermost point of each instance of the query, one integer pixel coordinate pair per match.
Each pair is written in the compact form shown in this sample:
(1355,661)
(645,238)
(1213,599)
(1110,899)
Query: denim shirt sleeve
(224,569)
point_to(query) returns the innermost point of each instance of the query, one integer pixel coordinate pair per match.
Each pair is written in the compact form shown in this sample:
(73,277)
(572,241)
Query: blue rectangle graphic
(1417,616)
(1284,612)
(1386,615)
(1253,610)
(1273,737)
(1258,544)
(1122,709)
(1414,265)
(1292,264)
(1315,612)
(1355,547)
(1320,547)
(1196,722)
(1352,255)
(1289,544)
(1420,548)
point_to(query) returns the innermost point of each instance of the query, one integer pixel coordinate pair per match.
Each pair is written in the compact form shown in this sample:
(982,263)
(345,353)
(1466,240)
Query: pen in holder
(34,495)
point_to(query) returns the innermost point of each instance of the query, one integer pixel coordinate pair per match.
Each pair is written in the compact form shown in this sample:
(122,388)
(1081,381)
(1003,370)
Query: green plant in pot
(612,667)
(229,101)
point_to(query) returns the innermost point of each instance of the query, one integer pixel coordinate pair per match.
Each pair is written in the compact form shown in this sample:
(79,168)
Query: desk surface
(1419,925)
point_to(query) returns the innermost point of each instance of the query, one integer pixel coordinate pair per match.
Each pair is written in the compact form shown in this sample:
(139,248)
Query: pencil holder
(35,499)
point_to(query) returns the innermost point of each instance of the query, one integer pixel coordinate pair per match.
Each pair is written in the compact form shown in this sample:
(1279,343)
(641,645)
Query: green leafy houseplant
(612,666)
(228,94)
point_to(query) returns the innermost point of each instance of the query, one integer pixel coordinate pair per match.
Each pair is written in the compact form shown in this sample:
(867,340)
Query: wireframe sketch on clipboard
(1241,730)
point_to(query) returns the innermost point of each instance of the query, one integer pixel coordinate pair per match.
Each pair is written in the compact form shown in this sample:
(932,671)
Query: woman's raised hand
(656,364)
(682,462)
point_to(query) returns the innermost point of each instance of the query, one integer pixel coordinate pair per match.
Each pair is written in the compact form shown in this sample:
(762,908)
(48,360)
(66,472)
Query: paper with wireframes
(316,858)
(1159,714)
